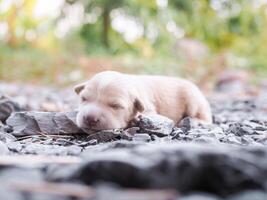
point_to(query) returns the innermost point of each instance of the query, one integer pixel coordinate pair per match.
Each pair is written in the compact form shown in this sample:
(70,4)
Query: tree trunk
(106,26)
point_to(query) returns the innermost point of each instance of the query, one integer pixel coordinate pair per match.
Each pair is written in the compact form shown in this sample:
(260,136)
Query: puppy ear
(138,106)
(78,88)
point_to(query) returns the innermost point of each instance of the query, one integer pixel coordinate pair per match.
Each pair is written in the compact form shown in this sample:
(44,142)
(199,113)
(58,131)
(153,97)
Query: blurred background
(61,42)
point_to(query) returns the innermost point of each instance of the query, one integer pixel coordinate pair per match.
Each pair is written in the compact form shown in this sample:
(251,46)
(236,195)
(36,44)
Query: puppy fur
(112,100)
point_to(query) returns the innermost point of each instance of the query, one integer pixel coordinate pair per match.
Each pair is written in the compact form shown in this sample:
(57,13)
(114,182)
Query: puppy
(112,100)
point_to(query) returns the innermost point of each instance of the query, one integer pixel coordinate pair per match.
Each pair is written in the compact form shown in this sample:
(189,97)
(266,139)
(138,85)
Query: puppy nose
(91,120)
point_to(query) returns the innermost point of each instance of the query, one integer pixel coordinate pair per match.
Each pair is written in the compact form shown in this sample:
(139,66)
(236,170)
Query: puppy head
(107,101)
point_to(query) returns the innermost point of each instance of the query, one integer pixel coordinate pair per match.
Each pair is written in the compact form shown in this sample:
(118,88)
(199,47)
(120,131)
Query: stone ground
(151,160)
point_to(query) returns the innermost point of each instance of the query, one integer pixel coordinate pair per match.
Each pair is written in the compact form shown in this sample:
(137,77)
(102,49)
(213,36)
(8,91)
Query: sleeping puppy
(112,100)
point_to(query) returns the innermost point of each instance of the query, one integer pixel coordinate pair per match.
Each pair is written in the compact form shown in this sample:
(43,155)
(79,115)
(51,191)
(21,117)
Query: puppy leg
(204,115)
(199,108)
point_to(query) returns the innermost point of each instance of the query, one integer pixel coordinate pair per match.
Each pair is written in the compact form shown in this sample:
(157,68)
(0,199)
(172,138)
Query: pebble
(154,152)
(3,148)
(141,137)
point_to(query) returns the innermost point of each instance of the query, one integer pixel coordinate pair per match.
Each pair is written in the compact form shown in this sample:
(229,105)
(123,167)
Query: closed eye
(115,106)
(83,99)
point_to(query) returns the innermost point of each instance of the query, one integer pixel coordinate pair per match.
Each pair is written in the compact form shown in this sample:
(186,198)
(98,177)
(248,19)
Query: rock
(105,135)
(121,144)
(15,147)
(20,174)
(141,137)
(132,131)
(3,148)
(217,169)
(199,196)
(155,124)
(232,140)
(88,143)
(6,137)
(34,123)
(7,106)
(187,124)
(41,149)
(249,195)
(41,196)
(227,158)
(6,129)
(240,129)
(10,194)
(205,139)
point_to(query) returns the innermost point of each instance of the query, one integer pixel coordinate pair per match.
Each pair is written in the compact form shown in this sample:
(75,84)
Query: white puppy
(112,100)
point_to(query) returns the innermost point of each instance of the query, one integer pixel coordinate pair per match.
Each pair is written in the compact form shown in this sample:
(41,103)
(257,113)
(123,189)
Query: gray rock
(20,174)
(219,169)
(3,148)
(6,128)
(15,146)
(41,149)
(7,193)
(186,124)
(249,195)
(106,135)
(229,157)
(34,123)
(240,129)
(6,137)
(200,196)
(155,124)
(131,131)
(41,196)
(141,137)
(7,106)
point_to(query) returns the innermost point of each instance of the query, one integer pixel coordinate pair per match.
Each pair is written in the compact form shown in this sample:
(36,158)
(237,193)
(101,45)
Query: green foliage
(231,27)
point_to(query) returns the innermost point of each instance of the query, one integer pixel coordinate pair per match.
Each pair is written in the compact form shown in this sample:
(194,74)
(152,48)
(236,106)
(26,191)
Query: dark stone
(185,124)
(175,134)
(7,106)
(7,129)
(185,167)
(240,129)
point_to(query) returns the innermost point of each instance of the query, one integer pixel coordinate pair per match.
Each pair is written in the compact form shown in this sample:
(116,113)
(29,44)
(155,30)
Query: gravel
(190,161)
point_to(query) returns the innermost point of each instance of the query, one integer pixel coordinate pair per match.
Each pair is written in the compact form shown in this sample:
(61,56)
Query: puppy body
(113,99)
(174,98)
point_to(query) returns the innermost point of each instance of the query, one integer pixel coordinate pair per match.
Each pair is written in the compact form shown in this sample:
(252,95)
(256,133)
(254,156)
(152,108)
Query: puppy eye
(115,106)
(83,99)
